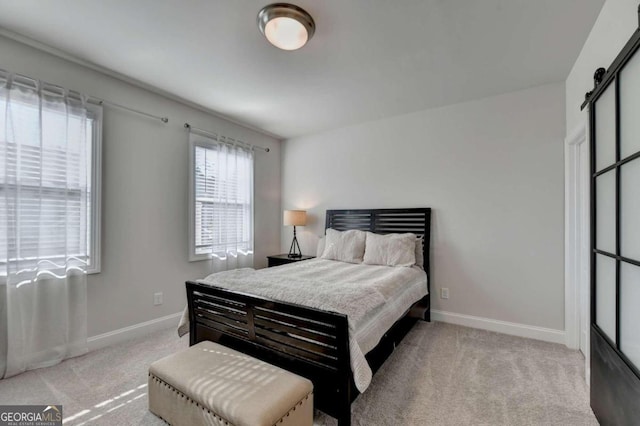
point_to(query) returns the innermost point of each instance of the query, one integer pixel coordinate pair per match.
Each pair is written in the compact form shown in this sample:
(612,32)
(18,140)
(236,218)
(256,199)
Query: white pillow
(347,246)
(419,252)
(390,249)
(320,248)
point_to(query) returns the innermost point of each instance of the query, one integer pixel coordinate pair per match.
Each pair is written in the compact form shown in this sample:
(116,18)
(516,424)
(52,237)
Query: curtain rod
(215,135)
(135,111)
(39,84)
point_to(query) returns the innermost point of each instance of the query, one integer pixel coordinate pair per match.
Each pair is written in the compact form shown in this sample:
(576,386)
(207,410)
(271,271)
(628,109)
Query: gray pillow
(347,246)
(390,249)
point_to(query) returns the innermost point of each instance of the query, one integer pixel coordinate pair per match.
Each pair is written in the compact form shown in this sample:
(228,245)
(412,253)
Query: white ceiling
(368,59)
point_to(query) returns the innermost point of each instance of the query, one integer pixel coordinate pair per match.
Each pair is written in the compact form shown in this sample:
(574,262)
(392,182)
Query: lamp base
(293,253)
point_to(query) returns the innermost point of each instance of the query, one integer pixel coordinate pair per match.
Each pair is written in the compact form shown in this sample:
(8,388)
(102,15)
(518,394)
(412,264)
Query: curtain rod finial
(164,119)
(267,150)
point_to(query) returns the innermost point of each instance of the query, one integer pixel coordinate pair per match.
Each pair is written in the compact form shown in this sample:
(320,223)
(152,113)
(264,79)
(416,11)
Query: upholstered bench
(209,384)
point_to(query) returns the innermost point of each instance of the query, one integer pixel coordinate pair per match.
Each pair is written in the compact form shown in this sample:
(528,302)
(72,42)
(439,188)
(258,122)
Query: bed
(316,343)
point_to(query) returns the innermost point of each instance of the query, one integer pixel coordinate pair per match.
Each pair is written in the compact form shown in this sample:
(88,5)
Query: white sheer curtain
(223,187)
(45,160)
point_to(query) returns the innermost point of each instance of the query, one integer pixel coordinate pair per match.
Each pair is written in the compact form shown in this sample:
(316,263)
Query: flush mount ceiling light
(286,26)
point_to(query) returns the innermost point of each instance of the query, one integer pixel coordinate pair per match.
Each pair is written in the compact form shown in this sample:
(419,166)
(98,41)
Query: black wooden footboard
(309,342)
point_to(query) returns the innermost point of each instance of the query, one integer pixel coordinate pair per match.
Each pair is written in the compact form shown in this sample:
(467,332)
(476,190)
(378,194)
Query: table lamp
(295,218)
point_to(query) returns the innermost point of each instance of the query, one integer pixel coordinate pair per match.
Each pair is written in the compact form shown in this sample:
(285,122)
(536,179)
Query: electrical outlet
(444,293)
(157,299)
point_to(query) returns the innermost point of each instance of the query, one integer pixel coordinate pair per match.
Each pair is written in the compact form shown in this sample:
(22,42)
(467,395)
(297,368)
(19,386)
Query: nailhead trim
(299,403)
(226,422)
(182,395)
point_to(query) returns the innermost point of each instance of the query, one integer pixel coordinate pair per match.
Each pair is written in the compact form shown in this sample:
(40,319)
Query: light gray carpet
(441,374)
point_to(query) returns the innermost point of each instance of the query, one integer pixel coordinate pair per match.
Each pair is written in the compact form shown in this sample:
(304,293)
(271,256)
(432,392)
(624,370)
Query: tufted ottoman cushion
(209,384)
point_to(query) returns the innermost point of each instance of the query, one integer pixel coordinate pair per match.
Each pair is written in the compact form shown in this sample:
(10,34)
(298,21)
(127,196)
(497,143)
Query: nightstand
(283,259)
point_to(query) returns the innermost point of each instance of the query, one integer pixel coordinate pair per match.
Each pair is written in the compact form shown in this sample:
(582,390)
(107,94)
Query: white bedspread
(365,293)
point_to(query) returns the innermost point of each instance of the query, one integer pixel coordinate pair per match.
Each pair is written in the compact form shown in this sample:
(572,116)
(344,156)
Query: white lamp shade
(295,218)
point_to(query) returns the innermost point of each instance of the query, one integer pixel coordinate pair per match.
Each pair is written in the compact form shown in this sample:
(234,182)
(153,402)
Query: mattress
(369,330)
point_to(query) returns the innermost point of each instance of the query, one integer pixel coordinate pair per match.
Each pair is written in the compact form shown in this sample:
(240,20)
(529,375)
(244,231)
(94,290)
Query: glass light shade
(286,26)
(295,218)
(286,33)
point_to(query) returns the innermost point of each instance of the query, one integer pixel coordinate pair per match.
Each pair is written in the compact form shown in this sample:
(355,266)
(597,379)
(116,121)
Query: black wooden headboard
(386,221)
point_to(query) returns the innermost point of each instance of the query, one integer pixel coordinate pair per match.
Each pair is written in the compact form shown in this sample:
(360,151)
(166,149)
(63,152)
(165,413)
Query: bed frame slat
(212,316)
(308,334)
(240,316)
(381,226)
(298,321)
(322,352)
(340,226)
(238,332)
(232,304)
(315,360)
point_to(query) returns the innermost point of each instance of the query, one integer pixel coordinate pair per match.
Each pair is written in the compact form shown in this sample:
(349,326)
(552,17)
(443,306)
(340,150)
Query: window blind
(223,191)
(50,218)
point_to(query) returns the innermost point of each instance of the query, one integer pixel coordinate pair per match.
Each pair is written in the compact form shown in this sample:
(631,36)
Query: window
(50,176)
(221,199)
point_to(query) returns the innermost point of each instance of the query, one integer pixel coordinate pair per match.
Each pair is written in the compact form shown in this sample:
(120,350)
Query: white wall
(145,172)
(492,170)
(616,23)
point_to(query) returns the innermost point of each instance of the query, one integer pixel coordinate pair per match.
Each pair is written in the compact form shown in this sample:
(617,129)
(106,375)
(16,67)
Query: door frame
(577,241)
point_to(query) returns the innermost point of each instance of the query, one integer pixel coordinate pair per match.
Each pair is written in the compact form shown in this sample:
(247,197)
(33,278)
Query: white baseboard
(587,376)
(136,330)
(514,329)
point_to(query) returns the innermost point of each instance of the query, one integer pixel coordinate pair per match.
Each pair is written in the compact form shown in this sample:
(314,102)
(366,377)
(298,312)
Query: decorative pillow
(320,248)
(347,246)
(390,249)
(419,252)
